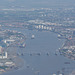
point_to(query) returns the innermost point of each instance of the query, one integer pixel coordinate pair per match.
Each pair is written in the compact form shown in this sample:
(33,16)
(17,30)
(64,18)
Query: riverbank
(44,42)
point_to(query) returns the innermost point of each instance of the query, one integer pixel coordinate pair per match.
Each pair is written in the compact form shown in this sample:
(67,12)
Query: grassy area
(3,67)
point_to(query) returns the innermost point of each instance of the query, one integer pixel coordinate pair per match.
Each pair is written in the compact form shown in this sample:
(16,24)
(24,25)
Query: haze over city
(37,37)
(36,3)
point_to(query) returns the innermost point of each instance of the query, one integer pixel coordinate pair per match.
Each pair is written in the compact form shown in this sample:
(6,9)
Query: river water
(42,64)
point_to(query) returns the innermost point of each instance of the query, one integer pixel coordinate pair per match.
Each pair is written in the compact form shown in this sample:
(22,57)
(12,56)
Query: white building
(3,55)
(9,64)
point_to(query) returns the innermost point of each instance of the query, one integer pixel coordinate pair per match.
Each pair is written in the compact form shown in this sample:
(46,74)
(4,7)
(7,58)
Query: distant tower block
(1,50)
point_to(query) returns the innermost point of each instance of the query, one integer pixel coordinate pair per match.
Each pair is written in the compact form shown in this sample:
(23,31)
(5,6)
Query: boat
(22,45)
(66,62)
(32,37)
(48,54)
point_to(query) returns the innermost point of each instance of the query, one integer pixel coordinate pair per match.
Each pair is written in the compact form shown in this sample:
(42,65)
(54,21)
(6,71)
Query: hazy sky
(37,3)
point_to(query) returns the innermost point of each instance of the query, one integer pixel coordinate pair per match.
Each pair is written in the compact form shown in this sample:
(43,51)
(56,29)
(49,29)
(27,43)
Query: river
(42,63)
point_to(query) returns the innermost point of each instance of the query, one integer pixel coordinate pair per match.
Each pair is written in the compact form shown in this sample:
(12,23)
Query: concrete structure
(43,27)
